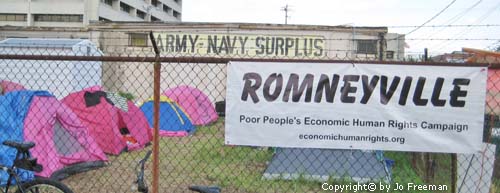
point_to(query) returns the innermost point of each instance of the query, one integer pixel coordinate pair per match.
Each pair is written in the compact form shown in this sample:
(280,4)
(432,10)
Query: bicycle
(142,187)
(23,160)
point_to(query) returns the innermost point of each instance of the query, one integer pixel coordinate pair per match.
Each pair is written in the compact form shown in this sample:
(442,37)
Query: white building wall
(137,78)
(91,10)
(57,7)
(396,44)
(108,13)
(14,6)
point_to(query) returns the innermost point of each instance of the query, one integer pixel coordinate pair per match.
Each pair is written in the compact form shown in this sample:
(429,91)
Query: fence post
(156,115)
(453,172)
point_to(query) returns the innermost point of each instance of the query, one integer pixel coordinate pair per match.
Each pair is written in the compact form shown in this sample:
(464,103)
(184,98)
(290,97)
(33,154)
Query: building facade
(80,13)
(219,40)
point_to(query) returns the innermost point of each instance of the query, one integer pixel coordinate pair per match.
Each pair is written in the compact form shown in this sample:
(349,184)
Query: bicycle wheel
(43,185)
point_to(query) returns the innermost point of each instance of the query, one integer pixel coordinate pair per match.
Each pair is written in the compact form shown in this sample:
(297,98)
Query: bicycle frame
(12,171)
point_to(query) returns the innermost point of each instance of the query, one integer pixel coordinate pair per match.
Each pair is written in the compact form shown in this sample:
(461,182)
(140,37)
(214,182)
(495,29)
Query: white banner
(356,106)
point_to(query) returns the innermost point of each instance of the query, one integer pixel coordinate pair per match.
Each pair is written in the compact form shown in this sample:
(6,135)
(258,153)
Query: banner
(356,106)
(242,45)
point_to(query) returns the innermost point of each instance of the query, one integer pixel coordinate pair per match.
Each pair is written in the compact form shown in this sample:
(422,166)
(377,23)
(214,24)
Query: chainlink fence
(91,118)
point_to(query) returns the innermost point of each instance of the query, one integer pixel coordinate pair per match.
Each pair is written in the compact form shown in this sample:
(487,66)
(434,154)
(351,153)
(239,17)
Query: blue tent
(174,122)
(14,107)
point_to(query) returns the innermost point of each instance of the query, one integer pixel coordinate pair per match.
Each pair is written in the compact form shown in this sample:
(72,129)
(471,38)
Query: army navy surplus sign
(243,45)
(356,106)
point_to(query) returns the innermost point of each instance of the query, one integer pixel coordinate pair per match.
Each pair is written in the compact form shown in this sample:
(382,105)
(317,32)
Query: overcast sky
(367,13)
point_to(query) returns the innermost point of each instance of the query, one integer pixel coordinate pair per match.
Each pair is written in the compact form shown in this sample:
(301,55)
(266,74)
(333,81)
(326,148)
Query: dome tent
(116,127)
(62,144)
(173,120)
(195,103)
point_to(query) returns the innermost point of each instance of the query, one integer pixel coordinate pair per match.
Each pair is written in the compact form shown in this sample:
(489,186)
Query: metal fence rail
(98,109)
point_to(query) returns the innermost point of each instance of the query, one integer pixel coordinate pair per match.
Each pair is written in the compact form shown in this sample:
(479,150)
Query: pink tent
(114,129)
(8,86)
(196,104)
(61,139)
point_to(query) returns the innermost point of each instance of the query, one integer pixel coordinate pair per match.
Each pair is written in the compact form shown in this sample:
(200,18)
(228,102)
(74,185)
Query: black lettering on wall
(170,41)
(297,50)
(243,41)
(159,40)
(269,46)
(289,43)
(193,42)
(318,47)
(212,44)
(260,47)
(180,43)
(280,43)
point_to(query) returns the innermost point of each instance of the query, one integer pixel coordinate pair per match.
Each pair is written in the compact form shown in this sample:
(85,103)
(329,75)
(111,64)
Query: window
(177,14)
(58,18)
(167,9)
(108,2)
(141,14)
(389,54)
(124,7)
(153,18)
(138,40)
(155,3)
(103,19)
(367,47)
(178,1)
(12,17)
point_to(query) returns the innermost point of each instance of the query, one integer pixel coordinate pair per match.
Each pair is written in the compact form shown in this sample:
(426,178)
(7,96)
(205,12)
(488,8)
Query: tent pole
(156,115)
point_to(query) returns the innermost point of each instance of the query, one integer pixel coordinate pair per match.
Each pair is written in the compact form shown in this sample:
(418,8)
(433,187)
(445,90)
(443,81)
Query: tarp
(326,164)
(14,108)
(59,77)
(173,120)
(196,104)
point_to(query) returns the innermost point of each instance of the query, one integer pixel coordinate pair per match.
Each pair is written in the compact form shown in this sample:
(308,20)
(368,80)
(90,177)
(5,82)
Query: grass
(203,159)
(496,186)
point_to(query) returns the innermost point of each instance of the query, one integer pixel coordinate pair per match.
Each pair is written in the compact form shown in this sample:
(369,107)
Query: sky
(401,16)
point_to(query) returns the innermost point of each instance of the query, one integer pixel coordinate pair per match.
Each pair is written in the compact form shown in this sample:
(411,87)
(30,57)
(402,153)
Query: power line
(466,30)
(432,18)
(444,26)
(461,14)
(453,20)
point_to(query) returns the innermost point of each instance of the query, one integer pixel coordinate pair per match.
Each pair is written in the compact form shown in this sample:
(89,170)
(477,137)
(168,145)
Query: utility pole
(286,9)
(381,47)
(426,54)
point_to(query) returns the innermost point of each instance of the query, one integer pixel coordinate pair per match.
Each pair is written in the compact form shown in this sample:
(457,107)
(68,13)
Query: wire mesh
(93,125)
